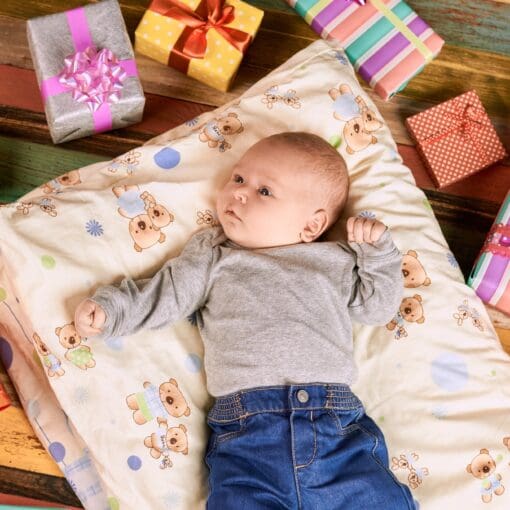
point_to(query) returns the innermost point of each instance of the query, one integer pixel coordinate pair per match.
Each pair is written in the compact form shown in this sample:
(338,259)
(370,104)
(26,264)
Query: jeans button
(302,396)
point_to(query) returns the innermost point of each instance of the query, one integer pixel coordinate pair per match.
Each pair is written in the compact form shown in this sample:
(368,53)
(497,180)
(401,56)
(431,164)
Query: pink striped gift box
(490,277)
(386,41)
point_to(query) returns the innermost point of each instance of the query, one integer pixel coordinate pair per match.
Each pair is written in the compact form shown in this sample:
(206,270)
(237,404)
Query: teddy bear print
(464,312)
(506,442)
(407,462)
(153,402)
(166,440)
(46,205)
(78,354)
(57,185)
(410,310)
(50,361)
(289,98)
(360,120)
(146,217)
(413,272)
(216,131)
(206,218)
(483,467)
(128,161)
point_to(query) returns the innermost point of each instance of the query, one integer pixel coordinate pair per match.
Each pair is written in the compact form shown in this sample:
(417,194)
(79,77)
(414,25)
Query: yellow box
(157,34)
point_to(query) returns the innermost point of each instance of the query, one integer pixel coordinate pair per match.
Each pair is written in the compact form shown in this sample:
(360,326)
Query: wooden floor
(476,56)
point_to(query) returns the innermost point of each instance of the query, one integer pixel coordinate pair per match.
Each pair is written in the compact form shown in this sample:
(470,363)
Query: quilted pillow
(435,378)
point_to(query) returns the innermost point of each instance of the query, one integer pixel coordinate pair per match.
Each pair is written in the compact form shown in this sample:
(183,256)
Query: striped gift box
(386,41)
(490,277)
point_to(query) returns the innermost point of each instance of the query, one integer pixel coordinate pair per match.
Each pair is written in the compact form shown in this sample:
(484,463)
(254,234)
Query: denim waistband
(267,399)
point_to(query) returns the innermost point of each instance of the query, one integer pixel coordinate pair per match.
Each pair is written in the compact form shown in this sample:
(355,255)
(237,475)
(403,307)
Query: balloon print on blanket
(146,216)
(167,158)
(360,120)
(160,404)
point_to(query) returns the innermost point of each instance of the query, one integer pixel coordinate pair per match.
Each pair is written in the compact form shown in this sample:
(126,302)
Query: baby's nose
(241,196)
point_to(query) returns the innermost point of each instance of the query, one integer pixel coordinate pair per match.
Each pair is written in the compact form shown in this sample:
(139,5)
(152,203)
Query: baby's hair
(328,165)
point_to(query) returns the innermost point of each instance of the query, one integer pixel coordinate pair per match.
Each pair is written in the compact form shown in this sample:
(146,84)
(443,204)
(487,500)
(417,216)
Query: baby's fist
(89,318)
(364,230)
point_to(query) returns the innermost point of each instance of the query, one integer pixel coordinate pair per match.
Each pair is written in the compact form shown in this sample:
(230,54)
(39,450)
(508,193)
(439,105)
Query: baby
(274,309)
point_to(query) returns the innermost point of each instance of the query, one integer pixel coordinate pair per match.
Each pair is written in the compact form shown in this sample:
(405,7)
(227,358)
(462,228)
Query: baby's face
(269,197)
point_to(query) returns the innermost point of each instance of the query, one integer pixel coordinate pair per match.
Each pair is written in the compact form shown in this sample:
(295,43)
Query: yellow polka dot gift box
(205,39)
(456,138)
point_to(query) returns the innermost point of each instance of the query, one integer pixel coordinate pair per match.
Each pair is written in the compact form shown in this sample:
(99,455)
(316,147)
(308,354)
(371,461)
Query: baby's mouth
(230,212)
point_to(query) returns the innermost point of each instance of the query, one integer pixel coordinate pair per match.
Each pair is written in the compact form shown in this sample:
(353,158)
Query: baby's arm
(377,282)
(174,292)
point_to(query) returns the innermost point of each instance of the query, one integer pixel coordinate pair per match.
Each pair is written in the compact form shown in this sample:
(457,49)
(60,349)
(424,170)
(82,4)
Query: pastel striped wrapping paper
(386,41)
(490,277)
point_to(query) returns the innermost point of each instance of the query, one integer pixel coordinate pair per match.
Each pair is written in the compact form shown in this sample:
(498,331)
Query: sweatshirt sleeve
(174,292)
(377,281)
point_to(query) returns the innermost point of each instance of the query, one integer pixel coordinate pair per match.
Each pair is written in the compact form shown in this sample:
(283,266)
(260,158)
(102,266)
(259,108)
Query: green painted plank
(25,165)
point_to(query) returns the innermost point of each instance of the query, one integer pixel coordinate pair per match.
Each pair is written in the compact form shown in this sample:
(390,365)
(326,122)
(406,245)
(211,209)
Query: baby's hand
(89,318)
(364,230)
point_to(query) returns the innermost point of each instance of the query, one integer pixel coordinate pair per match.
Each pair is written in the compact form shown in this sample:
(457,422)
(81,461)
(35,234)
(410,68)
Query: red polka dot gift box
(456,138)
(203,39)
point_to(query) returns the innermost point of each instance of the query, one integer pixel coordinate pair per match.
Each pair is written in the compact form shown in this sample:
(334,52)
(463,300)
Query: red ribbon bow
(466,119)
(216,15)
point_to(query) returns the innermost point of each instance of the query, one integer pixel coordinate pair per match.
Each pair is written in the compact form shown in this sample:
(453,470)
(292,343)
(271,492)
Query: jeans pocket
(223,432)
(346,420)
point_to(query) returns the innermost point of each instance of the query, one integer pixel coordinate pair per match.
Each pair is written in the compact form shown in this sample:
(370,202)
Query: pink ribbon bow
(94,77)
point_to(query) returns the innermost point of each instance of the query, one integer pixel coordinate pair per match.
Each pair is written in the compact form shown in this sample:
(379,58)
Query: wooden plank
(26,165)
(20,447)
(462,69)
(472,24)
(35,485)
(19,89)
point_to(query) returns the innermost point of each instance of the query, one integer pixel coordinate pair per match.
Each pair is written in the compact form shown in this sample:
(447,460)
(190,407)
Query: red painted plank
(18,88)
(491,184)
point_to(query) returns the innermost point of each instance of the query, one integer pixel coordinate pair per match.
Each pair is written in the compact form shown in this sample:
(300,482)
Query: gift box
(385,40)
(490,277)
(203,39)
(456,138)
(86,71)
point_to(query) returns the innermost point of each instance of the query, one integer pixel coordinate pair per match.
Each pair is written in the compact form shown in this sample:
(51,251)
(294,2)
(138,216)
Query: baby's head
(286,189)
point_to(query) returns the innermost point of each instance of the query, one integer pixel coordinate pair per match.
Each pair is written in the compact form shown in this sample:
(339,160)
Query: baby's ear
(315,226)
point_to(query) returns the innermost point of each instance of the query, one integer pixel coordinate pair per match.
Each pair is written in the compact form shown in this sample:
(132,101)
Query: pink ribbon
(361,2)
(94,77)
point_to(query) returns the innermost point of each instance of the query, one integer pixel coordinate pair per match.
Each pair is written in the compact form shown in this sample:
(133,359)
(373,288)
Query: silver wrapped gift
(86,70)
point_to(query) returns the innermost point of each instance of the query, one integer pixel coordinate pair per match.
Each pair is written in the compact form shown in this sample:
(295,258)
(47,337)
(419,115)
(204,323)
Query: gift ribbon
(467,120)
(94,77)
(403,29)
(498,240)
(192,43)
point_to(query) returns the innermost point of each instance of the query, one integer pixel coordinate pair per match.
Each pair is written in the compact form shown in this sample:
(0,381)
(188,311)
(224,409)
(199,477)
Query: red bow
(200,22)
(467,120)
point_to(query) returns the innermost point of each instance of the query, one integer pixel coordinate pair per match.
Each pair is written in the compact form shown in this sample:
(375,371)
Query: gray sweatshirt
(267,317)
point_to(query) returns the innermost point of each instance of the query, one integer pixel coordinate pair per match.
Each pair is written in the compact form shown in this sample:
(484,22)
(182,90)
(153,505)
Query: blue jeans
(299,447)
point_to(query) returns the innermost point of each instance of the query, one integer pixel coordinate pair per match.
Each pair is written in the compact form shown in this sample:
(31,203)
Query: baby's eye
(238,179)
(265,192)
